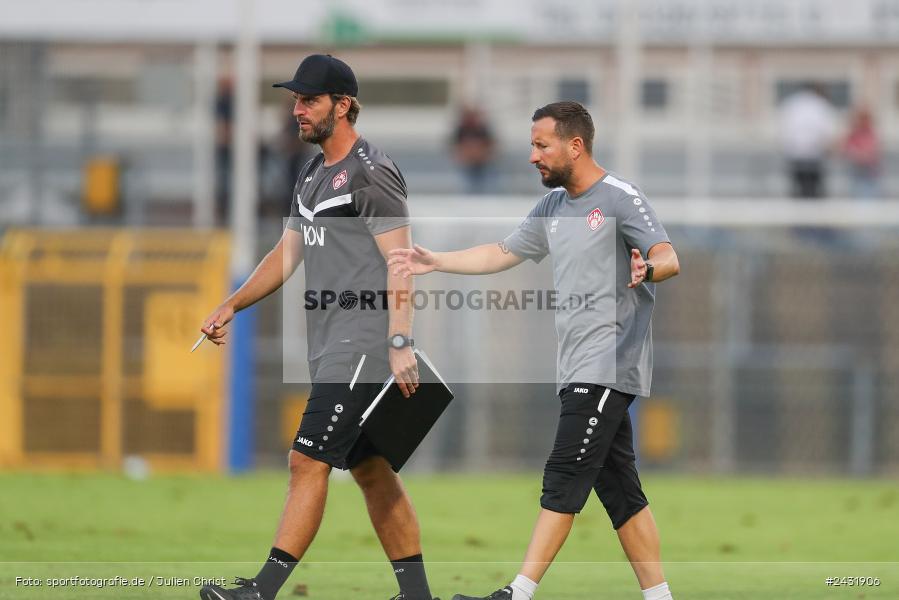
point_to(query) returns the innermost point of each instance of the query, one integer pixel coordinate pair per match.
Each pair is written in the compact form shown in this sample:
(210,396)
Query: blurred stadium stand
(775,350)
(704,117)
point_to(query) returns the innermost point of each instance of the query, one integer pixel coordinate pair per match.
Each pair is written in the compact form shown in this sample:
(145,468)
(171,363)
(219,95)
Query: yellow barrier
(659,431)
(292,408)
(100,189)
(94,362)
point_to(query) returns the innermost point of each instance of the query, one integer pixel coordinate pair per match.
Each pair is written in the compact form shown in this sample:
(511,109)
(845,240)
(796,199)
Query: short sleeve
(294,218)
(382,203)
(639,225)
(529,239)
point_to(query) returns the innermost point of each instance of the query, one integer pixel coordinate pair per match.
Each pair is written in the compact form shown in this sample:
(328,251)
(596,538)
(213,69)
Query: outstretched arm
(479,260)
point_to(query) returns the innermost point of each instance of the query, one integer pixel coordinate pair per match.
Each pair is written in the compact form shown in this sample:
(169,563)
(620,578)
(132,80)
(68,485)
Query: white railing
(711,212)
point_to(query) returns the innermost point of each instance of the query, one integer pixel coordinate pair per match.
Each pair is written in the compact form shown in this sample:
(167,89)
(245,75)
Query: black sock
(410,574)
(275,572)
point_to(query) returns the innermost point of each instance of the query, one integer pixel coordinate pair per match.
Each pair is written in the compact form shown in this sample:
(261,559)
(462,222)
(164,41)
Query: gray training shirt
(575,231)
(338,210)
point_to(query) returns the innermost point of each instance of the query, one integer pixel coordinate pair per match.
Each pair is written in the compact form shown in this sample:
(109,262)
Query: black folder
(395,425)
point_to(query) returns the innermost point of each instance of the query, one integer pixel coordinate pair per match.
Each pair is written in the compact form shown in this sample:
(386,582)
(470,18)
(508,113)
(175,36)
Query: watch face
(397,341)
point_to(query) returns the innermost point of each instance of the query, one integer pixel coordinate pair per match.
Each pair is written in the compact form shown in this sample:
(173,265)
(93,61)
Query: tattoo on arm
(502,246)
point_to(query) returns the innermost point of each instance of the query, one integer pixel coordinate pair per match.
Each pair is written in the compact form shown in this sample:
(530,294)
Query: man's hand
(411,261)
(638,269)
(214,323)
(405,369)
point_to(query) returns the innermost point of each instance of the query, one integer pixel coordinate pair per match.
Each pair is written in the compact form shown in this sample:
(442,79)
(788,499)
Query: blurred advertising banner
(535,21)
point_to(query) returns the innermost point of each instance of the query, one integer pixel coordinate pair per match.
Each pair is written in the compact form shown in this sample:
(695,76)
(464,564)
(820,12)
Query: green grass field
(722,538)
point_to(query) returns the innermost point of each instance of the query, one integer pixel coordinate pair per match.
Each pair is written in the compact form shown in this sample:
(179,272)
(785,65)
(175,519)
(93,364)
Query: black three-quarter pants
(344,385)
(594,449)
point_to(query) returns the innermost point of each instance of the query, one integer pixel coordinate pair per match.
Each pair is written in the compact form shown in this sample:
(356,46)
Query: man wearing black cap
(348,211)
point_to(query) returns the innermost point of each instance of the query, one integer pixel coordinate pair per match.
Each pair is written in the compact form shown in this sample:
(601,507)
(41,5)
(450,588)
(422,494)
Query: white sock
(523,588)
(658,592)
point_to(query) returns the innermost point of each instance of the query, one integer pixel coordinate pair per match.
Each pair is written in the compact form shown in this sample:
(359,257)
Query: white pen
(198,342)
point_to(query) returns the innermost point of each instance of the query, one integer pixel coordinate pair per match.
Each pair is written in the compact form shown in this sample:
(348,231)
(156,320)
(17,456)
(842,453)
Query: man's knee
(302,466)
(371,472)
(621,493)
(566,487)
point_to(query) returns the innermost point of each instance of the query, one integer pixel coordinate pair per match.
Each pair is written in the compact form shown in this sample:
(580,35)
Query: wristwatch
(398,341)
(649,269)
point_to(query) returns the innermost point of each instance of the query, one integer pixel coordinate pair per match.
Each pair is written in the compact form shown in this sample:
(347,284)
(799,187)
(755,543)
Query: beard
(321,130)
(557,177)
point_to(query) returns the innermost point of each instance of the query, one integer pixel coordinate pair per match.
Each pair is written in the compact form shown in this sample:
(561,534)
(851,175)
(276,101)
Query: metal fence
(93,356)
(775,349)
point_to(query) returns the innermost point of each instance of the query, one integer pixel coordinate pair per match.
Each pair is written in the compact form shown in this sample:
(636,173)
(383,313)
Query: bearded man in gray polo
(348,210)
(588,210)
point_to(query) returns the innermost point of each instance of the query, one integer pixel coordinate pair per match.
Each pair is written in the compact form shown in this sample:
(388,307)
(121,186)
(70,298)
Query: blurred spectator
(862,151)
(473,147)
(224,117)
(808,128)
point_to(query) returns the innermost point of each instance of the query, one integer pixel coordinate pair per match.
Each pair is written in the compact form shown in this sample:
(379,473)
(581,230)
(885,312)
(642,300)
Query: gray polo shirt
(578,233)
(338,210)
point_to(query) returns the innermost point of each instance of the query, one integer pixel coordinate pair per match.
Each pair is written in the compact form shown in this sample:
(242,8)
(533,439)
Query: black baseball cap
(322,74)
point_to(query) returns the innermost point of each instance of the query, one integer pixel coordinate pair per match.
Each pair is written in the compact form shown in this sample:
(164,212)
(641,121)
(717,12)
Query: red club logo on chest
(595,219)
(339,179)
